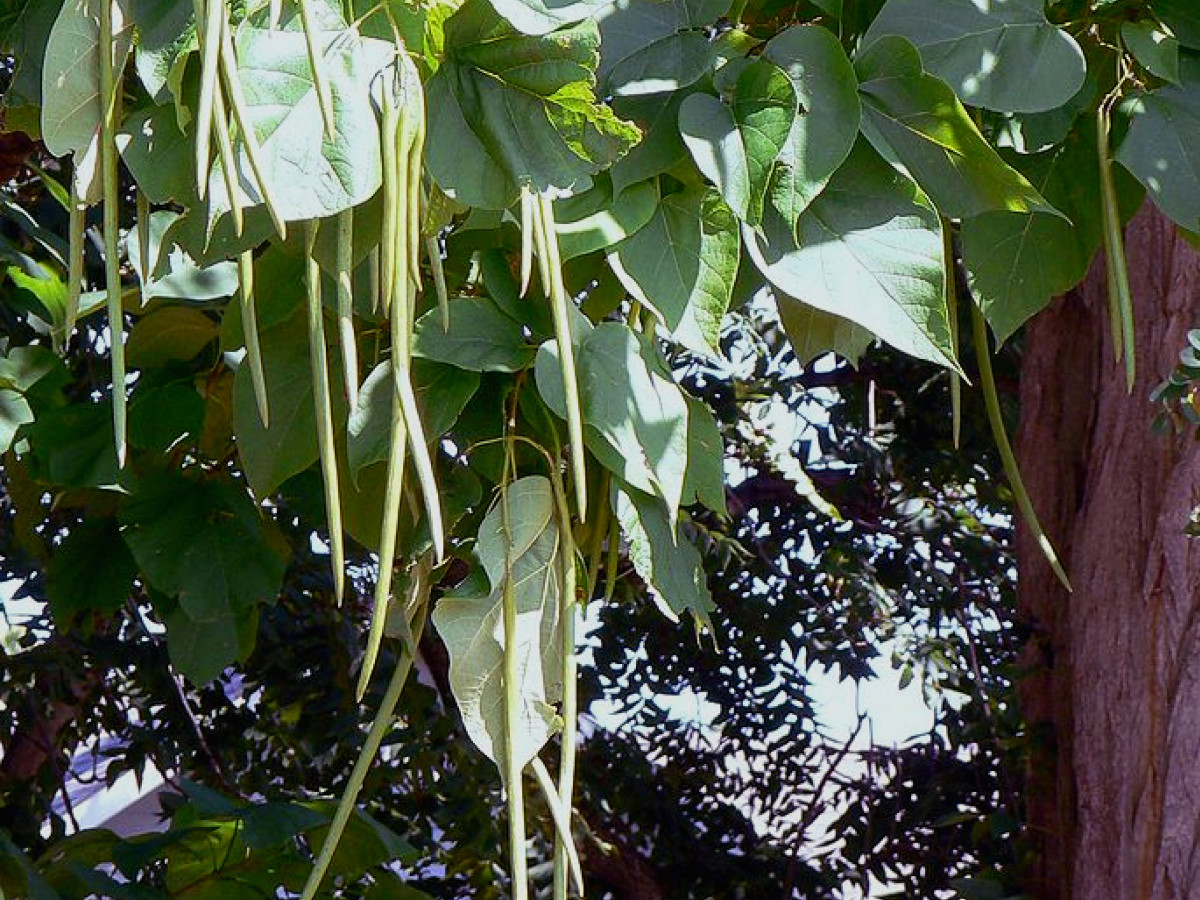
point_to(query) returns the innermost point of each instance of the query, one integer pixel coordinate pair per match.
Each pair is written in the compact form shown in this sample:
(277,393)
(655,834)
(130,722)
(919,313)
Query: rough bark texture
(1115,683)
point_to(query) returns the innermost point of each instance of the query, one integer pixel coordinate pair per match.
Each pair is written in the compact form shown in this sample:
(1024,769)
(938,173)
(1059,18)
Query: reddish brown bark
(1114,687)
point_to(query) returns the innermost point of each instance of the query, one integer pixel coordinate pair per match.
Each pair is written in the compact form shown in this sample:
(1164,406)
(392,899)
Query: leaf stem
(245,264)
(1000,435)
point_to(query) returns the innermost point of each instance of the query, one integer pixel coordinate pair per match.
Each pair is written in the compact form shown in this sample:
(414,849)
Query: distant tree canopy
(343,341)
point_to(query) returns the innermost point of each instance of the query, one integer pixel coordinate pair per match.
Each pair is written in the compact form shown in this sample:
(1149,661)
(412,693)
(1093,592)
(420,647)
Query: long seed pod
(566,859)
(1120,297)
(559,304)
(405,279)
(274,14)
(316,61)
(254,359)
(415,614)
(561,814)
(416,155)
(434,251)
(1011,469)
(392,497)
(527,232)
(407,400)
(143,229)
(612,559)
(374,278)
(241,115)
(109,95)
(209,16)
(77,224)
(229,172)
(514,787)
(324,406)
(345,297)
(390,131)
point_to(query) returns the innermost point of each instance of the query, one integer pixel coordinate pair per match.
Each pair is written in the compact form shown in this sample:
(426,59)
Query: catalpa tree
(449,254)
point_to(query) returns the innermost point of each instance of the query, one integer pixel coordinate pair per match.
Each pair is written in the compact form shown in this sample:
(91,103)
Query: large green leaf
(202,649)
(1154,47)
(513,110)
(1162,147)
(916,118)
(682,265)
(1000,54)
(313,175)
(481,338)
(173,273)
(91,572)
(829,113)
(204,542)
(443,391)
(634,32)
(635,416)
(596,220)
(736,143)
(520,554)
(165,29)
(663,557)
(1183,17)
(661,147)
(72,446)
(869,250)
(20,369)
(161,415)
(1017,262)
(288,445)
(71,107)
(814,332)
(158,154)
(705,478)
(24,32)
(543,16)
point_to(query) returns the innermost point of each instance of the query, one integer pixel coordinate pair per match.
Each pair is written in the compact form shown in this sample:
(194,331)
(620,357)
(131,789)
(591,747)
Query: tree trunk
(1113,695)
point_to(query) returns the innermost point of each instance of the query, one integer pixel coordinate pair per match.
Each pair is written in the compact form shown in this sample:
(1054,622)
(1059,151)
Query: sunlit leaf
(519,552)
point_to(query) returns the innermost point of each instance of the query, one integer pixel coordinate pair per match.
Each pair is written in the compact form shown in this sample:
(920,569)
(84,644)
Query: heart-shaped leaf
(683,264)
(517,110)
(1003,54)
(827,119)
(518,548)
(736,144)
(913,116)
(870,250)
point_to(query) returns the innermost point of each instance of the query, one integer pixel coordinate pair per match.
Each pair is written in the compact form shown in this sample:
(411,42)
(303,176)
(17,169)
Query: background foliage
(729,205)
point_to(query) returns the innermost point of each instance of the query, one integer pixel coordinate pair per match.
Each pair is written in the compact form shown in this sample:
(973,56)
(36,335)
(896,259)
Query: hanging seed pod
(324,407)
(110,97)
